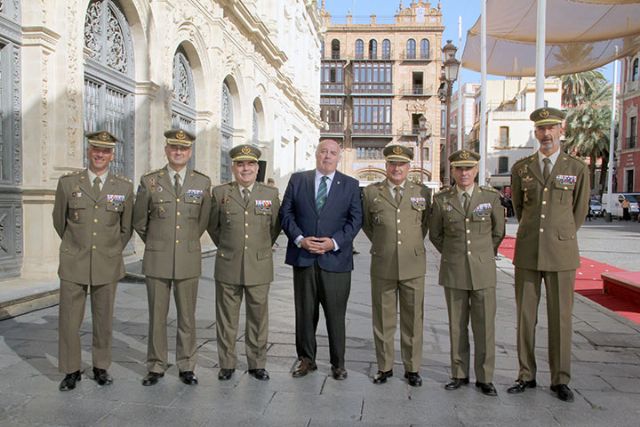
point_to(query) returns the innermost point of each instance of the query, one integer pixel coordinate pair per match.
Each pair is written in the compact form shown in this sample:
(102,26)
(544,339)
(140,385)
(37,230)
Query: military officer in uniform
(550,191)
(396,213)
(170,214)
(92,214)
(244,225)
(467,226)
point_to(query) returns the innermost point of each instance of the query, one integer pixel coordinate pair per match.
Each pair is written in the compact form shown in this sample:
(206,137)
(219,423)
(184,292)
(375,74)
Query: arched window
(359,49)
(226,130)
(634,70)
(108,80)
(424,49)
(386,49)
(373,49)
(183,104)
(335,49)
(411,49)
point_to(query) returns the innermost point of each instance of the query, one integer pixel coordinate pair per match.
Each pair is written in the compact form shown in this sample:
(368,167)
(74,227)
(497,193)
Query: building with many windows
(230,71)
(510,132)
(627,178)
(378,77)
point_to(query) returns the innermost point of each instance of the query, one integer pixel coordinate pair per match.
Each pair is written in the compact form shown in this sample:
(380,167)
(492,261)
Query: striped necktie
(321,197)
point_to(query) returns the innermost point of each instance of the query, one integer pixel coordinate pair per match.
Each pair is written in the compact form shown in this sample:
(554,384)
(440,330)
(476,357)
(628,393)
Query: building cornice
(255,29)
(40,36)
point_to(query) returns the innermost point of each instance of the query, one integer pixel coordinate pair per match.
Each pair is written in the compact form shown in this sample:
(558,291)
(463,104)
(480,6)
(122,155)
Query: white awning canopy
(580,35)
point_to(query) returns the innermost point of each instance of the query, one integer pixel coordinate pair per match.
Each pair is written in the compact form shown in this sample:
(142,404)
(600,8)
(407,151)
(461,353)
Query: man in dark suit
(321,214)
(550,191)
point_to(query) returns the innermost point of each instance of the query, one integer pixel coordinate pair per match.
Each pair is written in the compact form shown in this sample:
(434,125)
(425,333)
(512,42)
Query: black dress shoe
(339,373)
(413,378)
(69,381)
(152,378)
(563,392)
(381,377)
(225,374)
(188,377)
(487,389)
(520,386)
(259,374)
(101,376)
(456,383)
(304,367)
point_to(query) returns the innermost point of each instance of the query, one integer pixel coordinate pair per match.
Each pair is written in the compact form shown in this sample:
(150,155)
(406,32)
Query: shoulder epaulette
(152,172)
(71,173)
(200,173)
(123,178)
(489,188)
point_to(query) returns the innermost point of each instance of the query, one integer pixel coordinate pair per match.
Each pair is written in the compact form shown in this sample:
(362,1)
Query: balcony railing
(372,87)
(334,128)
(632,142)
(369,153)
(332,87)
(416,90)
(414,56)
(372,129)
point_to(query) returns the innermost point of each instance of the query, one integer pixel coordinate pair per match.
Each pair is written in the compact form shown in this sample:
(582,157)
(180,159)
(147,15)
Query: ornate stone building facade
(378,78)
(231,71)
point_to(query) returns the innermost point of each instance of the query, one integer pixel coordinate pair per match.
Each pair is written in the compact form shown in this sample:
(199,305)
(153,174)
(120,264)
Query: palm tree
(588,126)
(577,88)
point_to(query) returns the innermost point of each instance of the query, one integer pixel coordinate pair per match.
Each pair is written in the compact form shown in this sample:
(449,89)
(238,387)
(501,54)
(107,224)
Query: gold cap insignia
(464,155)
(397,150)
(246,150)
(544,114)
(180,135)
(104,136)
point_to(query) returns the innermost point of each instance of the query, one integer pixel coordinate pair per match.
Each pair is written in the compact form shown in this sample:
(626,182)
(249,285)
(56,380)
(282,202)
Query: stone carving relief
(74,83)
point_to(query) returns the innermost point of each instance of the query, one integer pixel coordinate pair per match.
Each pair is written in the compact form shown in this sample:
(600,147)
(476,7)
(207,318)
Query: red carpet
(589,283)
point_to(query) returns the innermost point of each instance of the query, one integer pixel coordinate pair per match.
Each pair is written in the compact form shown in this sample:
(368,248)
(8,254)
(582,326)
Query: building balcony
(414,57)
(333,88)
(416,90)
(333,128)
(631,142)
(372,88)
(372,130)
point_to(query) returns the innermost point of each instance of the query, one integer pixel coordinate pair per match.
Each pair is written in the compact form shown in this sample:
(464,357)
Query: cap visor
(397,159)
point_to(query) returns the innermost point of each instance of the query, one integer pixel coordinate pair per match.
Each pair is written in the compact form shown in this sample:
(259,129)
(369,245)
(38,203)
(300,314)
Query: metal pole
(540,52)
(447,139)
(422,158)
(483,95)
(611,138)
(460,94)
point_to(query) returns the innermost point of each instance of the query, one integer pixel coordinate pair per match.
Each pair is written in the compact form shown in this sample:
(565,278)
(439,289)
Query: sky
(469,10)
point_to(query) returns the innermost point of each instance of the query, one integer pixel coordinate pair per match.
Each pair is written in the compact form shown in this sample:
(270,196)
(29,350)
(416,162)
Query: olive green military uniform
(94,229)
(244,233)
(398,266)
(468,241)
(171,225)
(549,213)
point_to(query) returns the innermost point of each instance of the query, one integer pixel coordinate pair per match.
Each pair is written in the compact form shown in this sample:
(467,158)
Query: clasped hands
(317,245)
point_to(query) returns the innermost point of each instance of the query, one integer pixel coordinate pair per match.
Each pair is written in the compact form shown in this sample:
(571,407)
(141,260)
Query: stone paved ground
(606,369)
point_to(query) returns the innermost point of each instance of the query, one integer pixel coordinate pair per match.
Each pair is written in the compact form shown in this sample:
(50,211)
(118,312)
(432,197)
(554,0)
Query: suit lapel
(534,167)
(234,194)
(165,181)
(309,179)
(475,198)
(85,185)
(384,193)
(334,190)
(454,201)
(109,187)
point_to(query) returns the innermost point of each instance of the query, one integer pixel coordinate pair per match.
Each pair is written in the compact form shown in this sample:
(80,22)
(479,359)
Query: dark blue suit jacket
(339,219)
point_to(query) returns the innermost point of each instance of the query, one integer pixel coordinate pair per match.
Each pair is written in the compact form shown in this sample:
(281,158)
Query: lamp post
(449,75)
(424,132)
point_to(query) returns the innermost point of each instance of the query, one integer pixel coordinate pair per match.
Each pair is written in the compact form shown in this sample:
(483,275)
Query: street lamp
(424,132)
(449,75)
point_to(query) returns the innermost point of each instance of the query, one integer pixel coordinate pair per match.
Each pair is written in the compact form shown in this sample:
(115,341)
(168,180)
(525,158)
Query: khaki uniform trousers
(559,291)
(185,293)
(480,306)
(385,294)
(72,302)
(228,301)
